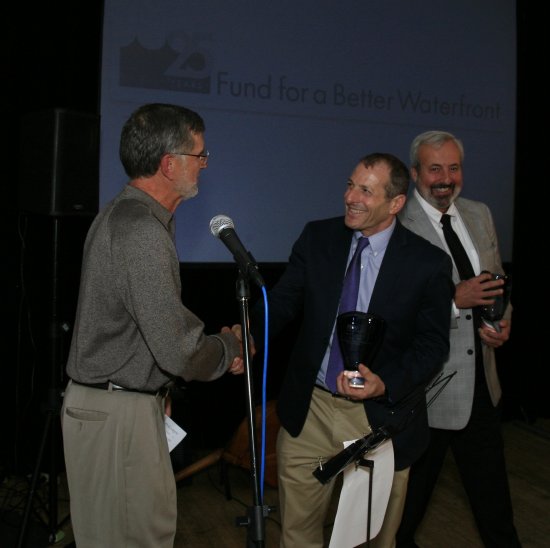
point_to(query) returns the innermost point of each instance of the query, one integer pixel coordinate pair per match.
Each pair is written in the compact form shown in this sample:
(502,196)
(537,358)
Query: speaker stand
(52,428)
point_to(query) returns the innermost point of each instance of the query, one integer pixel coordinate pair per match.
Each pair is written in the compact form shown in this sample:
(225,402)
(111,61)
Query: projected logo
(182,64)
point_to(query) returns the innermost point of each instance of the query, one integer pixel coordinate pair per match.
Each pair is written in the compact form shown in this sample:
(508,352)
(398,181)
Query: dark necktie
(348,302)
(460,258)
(465,270)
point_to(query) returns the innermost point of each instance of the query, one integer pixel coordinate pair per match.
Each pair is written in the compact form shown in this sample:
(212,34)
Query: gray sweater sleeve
(132,327)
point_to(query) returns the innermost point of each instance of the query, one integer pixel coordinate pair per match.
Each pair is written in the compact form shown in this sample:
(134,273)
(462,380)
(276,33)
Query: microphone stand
(256,513)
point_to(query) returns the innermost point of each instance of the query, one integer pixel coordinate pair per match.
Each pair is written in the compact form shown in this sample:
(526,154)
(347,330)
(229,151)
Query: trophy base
(354,379)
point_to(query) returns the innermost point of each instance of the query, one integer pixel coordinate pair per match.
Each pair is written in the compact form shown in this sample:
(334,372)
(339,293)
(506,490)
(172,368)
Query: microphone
(223,228)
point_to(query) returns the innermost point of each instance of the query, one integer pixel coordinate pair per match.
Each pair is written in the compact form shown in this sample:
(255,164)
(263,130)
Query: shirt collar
(158,210)
(379,241)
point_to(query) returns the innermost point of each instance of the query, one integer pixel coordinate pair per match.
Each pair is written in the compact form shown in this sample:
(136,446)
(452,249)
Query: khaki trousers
(303,500)
(121,483)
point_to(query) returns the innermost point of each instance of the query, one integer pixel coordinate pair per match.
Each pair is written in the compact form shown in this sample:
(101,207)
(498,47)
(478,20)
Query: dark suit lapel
(327,245)
(337,250)
(391,269)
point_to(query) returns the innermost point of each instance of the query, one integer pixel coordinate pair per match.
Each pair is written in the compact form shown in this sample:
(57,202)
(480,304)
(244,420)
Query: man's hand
(477,291)
(374,386)
(491,337)
(237,365)
(168,405)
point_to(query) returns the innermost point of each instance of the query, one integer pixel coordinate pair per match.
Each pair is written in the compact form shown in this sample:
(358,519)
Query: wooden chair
(237,450)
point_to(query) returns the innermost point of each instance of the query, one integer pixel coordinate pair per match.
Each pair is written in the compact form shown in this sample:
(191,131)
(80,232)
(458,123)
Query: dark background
(53,53)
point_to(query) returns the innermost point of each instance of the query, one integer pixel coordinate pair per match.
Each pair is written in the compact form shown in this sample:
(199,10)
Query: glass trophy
(360,335)
(491,314)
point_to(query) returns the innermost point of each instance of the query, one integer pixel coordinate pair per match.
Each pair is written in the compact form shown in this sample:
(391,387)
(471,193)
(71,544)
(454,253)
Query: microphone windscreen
(218,223)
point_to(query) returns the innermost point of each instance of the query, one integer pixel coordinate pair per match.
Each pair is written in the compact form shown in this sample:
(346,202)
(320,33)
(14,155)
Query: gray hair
(435,139)
(154,130)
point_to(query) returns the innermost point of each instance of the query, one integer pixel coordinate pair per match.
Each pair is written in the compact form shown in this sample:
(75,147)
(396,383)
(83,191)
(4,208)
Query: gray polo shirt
(131,327)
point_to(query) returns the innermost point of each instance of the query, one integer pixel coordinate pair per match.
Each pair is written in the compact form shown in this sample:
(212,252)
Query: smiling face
(368,209)
(438,177)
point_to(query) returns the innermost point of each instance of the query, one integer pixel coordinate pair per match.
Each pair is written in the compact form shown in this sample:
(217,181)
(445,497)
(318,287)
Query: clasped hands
(478,291)
(237,365)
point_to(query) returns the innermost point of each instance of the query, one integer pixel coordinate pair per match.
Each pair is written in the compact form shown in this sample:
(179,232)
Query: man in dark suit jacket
(405,280)
(465,417)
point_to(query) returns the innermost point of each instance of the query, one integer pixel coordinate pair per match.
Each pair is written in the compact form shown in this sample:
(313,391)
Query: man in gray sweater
(132,335)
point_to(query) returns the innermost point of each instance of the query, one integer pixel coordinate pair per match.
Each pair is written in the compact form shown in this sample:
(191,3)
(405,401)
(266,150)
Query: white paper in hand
(174,434)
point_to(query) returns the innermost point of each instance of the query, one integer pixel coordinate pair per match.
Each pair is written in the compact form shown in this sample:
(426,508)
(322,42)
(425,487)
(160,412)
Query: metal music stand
(355,452)
(370,465)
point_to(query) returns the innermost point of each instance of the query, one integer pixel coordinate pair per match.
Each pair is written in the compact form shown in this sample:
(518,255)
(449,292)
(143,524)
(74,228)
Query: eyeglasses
(203,158)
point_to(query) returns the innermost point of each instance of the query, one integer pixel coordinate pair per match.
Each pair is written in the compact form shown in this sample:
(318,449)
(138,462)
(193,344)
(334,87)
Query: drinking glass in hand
(491,314)
(359,335)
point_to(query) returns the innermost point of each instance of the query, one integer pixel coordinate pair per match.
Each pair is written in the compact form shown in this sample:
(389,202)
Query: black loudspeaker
(59,160)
